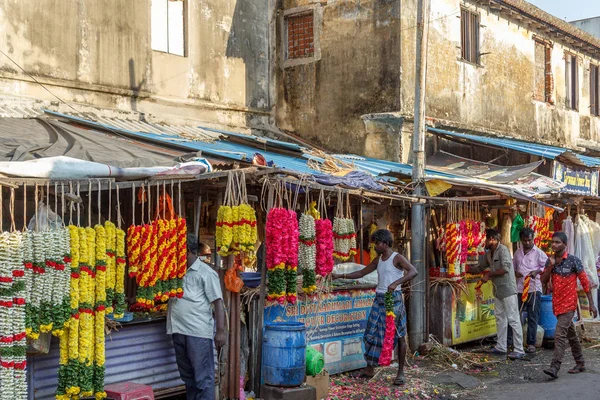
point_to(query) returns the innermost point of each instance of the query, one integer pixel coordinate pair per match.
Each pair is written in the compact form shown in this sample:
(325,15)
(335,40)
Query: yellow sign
(473,318)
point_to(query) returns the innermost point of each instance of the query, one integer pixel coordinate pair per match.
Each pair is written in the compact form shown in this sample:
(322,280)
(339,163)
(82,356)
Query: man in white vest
(392,270)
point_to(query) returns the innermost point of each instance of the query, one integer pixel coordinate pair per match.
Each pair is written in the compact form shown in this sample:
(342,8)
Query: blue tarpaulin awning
(537,149)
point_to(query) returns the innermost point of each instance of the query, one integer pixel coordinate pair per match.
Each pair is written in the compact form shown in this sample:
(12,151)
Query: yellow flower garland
(120,275)
(111,240)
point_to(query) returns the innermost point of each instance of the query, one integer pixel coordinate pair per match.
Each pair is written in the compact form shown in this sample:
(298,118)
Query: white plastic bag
(46,219)
(349,267)
(584,248)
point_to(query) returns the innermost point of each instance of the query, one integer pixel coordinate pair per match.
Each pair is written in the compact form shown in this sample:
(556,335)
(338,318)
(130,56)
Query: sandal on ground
(551,373)
(577,369)
(399,381)
(493,350)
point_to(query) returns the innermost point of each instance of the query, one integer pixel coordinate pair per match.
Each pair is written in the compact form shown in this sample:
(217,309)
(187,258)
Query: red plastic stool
(129,391)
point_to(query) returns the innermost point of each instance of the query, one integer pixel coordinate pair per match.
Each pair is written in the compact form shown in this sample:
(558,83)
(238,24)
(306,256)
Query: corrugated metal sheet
(541,150)
(132,125)
(219,147)
(142,353)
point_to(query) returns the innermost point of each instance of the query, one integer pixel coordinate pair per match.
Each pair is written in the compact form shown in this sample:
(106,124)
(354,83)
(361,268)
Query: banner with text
(578,180)
(335,325)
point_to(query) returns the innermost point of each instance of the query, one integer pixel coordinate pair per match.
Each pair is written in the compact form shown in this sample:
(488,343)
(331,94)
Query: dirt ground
(496,378)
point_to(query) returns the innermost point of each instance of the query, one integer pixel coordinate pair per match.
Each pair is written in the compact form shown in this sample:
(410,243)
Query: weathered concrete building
(203,60)
(590,25)
(498,66)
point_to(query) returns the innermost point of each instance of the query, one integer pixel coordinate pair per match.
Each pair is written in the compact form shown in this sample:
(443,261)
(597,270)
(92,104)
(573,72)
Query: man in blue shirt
(190,321)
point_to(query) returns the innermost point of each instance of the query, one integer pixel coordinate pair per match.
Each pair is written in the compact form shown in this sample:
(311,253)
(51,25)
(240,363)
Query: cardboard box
(321,383)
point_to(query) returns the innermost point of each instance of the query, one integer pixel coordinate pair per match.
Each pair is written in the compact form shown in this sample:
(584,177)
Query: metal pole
(416,314)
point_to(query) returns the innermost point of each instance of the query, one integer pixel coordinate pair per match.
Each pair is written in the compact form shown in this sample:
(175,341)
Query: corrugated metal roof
(141,353)
(542,150)
(258,139)
(138,125)
(223,148)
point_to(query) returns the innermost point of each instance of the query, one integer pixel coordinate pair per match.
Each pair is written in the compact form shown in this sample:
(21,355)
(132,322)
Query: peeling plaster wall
(98,53)
(367,65)
(358,74)
(496,96)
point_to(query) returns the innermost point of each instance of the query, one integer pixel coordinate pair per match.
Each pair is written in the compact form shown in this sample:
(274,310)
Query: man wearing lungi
(393,270)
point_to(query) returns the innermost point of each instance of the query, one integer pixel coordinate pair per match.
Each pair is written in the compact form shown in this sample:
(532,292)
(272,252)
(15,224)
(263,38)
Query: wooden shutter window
(549,79)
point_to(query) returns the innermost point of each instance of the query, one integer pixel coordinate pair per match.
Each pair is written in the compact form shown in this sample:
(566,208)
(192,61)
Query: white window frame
(572,81)
(167,35)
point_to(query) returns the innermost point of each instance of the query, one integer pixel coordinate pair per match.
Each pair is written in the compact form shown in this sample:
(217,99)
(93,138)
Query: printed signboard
(578,180)
(473,318)
(335,324)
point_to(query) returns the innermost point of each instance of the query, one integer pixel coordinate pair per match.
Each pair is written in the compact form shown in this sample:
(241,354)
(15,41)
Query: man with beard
(496,265)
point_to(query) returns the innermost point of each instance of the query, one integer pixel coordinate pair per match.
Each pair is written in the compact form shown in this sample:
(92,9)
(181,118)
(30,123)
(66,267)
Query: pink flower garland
(385,358)
(324,235)
(276,241)
(276,237)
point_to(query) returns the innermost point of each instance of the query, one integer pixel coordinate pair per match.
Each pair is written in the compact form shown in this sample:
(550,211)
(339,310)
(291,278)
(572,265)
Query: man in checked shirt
(564,269)
(529,260)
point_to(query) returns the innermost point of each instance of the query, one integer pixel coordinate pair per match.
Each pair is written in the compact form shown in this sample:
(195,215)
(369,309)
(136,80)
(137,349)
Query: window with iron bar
(469,36)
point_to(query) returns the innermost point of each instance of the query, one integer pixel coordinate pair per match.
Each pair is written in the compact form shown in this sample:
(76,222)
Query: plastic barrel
(284,354)
(314,361)
(547,318)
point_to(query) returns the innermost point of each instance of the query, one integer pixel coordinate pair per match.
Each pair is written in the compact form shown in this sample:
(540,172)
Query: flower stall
(324,221)
(87,267)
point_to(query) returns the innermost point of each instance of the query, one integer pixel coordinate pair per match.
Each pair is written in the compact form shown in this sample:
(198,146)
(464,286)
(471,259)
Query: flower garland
(111,264)
(276,240)
(168,288)
(86,310)
(71,372)
(119,299)
(385,358)
(39,287)
(12,317)
(224,230)
(307,253)
(62,284)
(19,337)
(103,237)
(344,237)
(453,247)
(162,265)
(236,229)
(134,241)
(29,279)
(182,255)
(324,235)
(291,264)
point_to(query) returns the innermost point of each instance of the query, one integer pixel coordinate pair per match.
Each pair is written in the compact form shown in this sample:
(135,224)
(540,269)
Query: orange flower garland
(162,265)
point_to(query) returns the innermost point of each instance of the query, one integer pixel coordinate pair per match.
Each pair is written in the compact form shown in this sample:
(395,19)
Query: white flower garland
(19,358)
(12,318)
(6,372)
(39,286)
(307,254)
